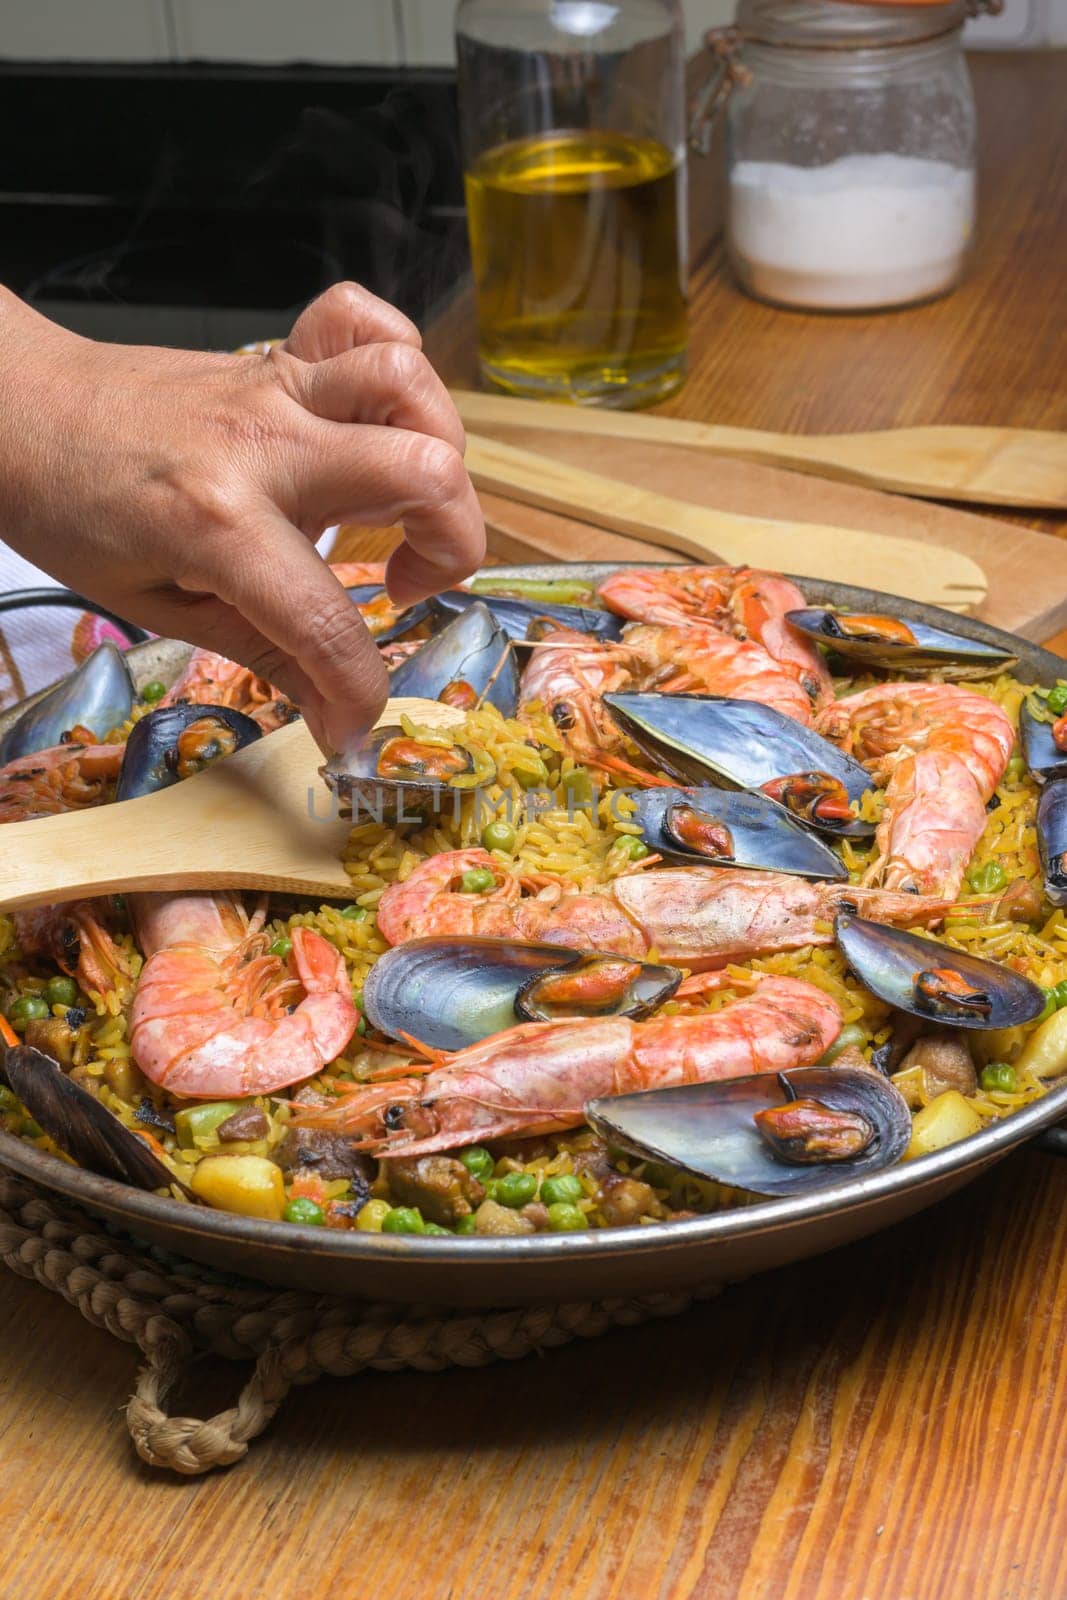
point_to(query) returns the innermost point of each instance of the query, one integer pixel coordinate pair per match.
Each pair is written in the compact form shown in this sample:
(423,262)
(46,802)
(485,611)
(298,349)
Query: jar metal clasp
(727,74)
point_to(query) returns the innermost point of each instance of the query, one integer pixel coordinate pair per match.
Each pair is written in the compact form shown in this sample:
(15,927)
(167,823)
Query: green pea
(628,844)
(1050,1005)
(999,1078)
(31,1129)
(1015,769)
(478,1162)
(988,879)
(1059,996)
(436,1230)
(153,691)
(467,1224)
(403,1219)
(478,880)
(61,992)
(515,1189)
(1057,699)
(372,1216)
(533,774)
(851,1034)
(305,1211)
(281,947)
(355,913)
(564,1189)
(8,1101)
(27,1008)
(564,1218)
(499,836)
(578,785)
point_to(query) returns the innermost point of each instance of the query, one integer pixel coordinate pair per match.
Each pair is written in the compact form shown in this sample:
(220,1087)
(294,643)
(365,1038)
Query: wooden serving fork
(916,569)
(261,819)
(990,466)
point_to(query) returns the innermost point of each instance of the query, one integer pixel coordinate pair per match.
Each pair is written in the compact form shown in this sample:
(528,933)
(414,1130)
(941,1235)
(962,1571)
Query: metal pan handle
(26,599)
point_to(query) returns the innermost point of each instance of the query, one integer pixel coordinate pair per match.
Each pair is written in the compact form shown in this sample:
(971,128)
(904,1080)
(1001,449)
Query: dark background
(203,206)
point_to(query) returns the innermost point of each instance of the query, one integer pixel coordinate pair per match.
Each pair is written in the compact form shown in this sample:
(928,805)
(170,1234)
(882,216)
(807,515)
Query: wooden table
(884,1423)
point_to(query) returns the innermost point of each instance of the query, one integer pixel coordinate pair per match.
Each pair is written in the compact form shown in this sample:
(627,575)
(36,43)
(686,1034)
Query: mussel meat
(450,993)
(927,979)
(469,661)
(383,621)
(516,616)
(777,1134)
(740,744)
(82,1128)
(740,828)
(899,646)
(399,771)
(98,697)
(176,742)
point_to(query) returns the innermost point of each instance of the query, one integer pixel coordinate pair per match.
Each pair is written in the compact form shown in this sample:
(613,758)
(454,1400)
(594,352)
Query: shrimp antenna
(493,676)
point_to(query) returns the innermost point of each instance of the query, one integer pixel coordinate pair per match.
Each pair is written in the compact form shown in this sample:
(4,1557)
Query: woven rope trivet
(173,1310)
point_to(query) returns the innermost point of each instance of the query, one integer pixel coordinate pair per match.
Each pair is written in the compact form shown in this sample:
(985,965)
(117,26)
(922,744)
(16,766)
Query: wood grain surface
(886,1423)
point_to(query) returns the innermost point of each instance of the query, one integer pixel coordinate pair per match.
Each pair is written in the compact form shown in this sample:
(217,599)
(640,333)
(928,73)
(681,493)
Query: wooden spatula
(261,819)
(919,571)
(991,466)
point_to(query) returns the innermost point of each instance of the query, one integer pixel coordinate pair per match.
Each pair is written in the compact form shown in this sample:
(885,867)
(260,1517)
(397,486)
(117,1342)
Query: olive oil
(578,243)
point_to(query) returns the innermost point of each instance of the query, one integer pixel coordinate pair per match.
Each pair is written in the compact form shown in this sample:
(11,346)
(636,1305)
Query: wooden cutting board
(1027,571)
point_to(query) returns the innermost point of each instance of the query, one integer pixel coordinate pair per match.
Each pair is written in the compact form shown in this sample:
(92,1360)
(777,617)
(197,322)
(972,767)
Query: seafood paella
(674,891)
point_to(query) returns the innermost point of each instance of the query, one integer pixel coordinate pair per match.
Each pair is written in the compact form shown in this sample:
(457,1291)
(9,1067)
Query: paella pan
(864,1020)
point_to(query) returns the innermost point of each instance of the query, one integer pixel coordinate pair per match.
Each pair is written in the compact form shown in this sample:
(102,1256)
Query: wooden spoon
(261,819)
(919,571)
(991,466)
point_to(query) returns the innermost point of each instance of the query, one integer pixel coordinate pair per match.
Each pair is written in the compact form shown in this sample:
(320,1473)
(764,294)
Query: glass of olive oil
(573,125)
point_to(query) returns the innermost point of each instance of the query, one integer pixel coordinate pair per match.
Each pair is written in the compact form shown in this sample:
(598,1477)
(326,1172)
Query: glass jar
(573,124)
(850,152)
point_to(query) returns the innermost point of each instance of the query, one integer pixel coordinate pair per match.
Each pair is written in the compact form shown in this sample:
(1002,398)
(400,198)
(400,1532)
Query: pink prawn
(216,1015)
(538,1077)
(699,917)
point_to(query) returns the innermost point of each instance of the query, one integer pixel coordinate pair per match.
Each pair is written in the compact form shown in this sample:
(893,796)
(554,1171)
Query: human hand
(185,490)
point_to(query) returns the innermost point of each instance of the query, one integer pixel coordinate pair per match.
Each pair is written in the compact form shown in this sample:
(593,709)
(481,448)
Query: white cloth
(40,645)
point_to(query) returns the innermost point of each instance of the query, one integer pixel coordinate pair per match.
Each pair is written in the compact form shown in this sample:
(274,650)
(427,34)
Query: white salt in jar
(850,152)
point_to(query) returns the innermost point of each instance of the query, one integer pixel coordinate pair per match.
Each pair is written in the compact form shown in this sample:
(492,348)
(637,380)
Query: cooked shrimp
(758,604)
(568,674)
(699,917)
(76,937)
(940,751)
(704,917)
(432,901)
(211,680)
(702,661)
(734,600)
(216,1015)
(68,777)
(538,1077)
(672,596)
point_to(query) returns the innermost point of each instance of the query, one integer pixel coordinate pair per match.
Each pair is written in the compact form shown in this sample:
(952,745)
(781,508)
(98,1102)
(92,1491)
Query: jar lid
(844,24)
